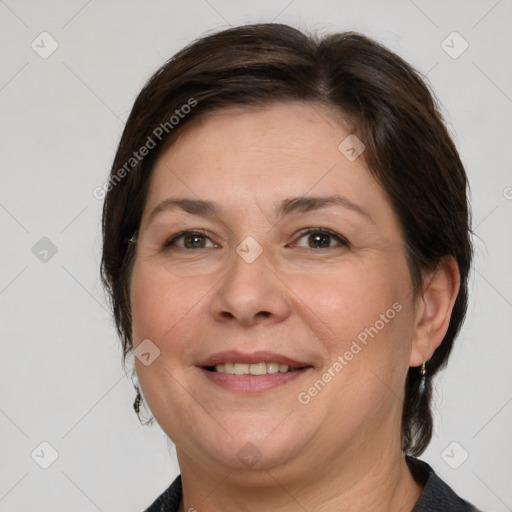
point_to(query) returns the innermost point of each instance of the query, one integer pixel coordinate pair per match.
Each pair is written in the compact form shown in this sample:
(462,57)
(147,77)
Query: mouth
(261,368)
(254,372)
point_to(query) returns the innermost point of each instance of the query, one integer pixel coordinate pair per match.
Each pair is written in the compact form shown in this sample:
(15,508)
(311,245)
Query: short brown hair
(408,151)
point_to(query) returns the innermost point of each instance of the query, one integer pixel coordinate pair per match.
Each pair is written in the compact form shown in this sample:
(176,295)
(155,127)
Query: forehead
(292,130)
(239,155)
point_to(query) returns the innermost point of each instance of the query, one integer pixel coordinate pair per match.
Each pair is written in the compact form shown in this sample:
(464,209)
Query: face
(297,261)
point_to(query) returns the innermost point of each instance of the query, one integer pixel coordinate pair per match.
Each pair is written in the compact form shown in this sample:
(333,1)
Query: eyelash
(343,242)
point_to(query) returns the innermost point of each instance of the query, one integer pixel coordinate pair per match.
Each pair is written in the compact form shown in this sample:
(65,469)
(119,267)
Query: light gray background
(61,118)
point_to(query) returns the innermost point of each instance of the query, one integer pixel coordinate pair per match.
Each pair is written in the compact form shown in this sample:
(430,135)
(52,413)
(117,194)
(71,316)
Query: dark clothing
(436,495)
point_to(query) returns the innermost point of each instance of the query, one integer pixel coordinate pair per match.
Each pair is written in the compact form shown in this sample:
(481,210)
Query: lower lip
(252,383)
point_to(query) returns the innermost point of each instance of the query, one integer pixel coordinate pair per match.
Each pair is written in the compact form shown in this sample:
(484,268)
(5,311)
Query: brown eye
(322,239)
(191,240)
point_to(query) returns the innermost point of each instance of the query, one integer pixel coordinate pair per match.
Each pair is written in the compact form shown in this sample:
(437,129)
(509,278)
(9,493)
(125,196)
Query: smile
(252,369)
(251,373)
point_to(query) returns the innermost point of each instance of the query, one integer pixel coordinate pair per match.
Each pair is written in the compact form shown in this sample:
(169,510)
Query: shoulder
(437,495)
(169,500)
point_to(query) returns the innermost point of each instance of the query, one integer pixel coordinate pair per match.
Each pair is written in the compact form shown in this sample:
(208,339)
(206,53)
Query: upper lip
(235,356)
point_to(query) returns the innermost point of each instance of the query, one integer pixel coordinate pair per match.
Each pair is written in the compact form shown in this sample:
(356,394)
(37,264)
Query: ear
(434,307)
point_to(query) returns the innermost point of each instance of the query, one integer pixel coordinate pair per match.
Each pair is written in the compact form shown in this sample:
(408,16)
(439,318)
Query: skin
(340,451)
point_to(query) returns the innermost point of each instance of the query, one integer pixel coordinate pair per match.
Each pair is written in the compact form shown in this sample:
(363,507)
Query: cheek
(147,299)
(370,324)
(166,310)
(351,298)
(161,303)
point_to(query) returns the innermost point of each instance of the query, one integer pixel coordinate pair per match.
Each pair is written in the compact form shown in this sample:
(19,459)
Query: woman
(286,246)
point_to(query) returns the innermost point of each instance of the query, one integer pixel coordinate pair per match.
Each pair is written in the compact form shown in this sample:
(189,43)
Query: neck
(353,481)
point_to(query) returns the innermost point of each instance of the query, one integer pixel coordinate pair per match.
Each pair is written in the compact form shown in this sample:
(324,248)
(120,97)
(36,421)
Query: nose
(251,293)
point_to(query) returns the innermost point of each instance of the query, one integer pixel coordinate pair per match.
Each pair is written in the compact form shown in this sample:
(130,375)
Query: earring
(138,403)
(138,400)
(138,396)
(423,373)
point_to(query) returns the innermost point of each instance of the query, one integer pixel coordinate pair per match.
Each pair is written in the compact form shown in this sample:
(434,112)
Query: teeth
(252,369)
(241,369)
(228,368)
(258,369)
(272,367)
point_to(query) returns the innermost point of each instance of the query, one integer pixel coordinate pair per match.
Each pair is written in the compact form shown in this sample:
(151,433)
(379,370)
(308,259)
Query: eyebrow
(290,206)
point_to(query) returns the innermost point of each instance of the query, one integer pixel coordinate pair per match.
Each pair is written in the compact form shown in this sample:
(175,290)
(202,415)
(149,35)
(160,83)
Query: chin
(250,443)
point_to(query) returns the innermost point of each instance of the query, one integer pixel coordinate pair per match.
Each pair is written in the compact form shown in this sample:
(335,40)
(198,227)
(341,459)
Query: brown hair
(408,151)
